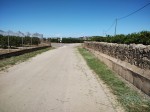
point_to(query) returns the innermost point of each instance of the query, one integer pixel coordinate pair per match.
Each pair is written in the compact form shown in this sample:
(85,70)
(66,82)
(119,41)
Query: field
(14,49)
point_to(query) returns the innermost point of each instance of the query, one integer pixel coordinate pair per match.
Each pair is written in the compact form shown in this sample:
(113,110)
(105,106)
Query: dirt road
(55,81)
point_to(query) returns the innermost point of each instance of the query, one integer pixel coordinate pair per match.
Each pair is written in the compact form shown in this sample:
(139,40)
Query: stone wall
(138,55)
(131,62)
(20,52)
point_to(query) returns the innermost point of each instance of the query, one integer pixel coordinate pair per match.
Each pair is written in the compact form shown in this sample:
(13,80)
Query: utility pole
(31,41)
(8,42)
(22,42)
(103,33)
(116,27)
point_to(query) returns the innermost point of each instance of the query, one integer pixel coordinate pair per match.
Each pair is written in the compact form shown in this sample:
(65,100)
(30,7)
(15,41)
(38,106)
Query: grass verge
(129,99)
(4,63)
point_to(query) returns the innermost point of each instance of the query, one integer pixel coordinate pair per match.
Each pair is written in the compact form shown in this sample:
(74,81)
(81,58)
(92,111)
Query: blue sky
(73,17)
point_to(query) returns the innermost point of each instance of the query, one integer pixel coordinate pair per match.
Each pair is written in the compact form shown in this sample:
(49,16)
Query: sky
(74,18)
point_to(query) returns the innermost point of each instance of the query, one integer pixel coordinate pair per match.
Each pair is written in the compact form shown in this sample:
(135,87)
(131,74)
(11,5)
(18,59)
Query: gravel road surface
(55,81)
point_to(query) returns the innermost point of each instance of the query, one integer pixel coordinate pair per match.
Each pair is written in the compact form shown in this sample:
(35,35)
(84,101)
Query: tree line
(142,37)
(66,40)
(72,40)
(54,39)
(15,41)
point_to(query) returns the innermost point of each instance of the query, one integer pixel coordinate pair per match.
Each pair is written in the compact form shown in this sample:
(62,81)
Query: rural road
(55,81)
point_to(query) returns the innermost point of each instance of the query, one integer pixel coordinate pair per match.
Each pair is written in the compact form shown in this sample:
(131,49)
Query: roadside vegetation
(4,63)
(54,39)
(72,40)
(142,37)
(16,41)
(131,100)
(66,40)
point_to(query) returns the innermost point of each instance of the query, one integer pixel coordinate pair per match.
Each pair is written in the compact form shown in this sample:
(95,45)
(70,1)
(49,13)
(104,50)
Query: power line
(133,12)
(129,15)
(111,26)
(115,26)
(115,21)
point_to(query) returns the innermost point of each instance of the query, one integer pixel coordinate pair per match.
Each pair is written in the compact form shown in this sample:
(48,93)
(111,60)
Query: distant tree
(137,38)
(35,40)
(54,39)
(3,41)
(72,40)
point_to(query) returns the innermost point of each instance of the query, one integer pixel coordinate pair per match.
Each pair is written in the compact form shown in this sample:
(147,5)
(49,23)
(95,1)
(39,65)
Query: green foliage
(35,40)
(15,41)
(72,40)
(56,40)
(136,38)
(3,41)
(27,40)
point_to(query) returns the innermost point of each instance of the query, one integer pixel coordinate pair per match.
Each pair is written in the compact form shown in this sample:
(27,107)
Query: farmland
(14,43)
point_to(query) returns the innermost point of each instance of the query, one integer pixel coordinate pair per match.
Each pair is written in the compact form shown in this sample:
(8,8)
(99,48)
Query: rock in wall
(131,62)
(135,54)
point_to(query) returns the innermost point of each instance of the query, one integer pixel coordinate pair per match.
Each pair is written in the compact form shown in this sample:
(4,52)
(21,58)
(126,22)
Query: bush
(56,40)
(72,40)
(137,38)
(15,41)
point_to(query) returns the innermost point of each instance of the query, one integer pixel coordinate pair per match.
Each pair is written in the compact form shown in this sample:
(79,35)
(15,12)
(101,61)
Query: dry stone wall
(138,55)
(131,62)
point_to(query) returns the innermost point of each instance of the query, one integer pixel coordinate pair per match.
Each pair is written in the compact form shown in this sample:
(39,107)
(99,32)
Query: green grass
(4,63)
(129,99)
